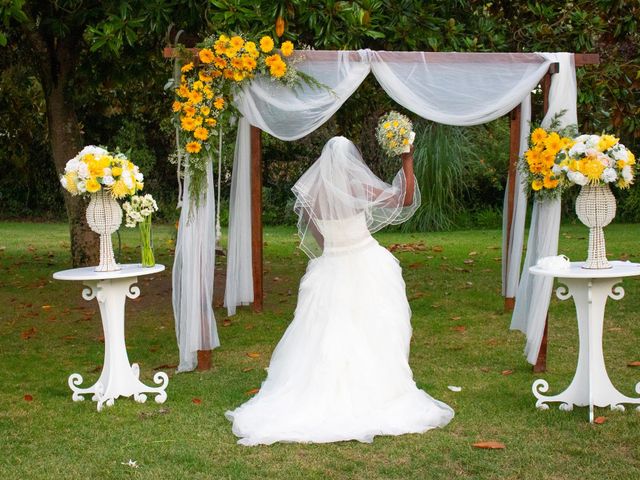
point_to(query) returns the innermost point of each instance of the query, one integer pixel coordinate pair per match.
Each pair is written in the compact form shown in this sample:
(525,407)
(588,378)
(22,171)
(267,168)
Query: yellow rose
(92,185)
(536,185)
(119,189)
(116,172)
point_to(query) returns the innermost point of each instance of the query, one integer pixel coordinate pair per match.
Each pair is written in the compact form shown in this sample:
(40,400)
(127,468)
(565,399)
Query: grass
(53,437)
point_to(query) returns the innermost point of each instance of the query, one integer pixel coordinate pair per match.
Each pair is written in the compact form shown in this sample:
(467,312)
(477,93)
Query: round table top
(89,273)
(618,269)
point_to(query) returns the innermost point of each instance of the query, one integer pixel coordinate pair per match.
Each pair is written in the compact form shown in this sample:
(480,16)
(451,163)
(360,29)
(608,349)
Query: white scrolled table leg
(118,377)
(591,385)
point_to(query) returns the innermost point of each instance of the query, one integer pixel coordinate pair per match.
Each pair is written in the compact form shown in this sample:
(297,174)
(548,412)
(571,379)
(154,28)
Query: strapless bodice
(344,234)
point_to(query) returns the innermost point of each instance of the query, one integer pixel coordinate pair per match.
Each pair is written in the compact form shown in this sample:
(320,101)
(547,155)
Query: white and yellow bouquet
(395,133)
(139,209)
(599,160)
(94,169)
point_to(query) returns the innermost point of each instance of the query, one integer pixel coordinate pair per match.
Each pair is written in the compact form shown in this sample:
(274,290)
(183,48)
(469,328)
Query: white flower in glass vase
(139,210)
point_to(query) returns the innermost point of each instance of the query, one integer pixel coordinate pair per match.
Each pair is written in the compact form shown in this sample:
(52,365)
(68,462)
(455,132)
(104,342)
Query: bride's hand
(408,155)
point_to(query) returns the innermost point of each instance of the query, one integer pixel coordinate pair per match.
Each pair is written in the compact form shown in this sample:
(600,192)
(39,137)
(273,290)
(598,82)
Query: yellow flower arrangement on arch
(209,79)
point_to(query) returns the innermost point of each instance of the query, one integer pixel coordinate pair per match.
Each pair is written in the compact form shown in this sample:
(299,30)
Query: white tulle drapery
(239,286)
(512,245)
(534,291)
(193,270)
(451,88)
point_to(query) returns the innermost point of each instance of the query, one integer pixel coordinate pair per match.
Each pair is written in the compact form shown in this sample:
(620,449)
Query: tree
(62,43)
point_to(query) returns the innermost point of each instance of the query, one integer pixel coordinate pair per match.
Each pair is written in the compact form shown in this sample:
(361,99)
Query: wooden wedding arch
(581,60)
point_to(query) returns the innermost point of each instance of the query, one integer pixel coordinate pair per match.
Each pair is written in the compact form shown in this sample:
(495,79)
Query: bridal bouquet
(95,169)
(598,160)
(395,133)
(138,212)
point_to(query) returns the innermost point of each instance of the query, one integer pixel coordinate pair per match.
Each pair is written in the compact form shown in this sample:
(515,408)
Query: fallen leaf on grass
(506,372)
(454,388)
(46,307)
(491,445)
(69,337)
(247,369)
(27,334)
(253,391)
(28,398)
(226,322)
(253,355)
(459,328)
(600,420)
(196,401)
(96,369)
(415,265)
(473,254)
(469,261)
(633,364)
(437,248)
(456,318)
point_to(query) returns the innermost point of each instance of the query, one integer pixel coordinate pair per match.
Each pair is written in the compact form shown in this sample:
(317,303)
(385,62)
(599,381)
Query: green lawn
(461,337)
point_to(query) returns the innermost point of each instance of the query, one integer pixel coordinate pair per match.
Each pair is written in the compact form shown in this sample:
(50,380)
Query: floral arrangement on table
(138,210)
(95,169)
(542,163)
(599,160)
(395,133)
(209,79)
(106,177)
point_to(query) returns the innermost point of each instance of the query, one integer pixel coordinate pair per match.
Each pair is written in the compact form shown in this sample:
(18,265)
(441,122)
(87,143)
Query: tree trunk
(58,58)
(66,141)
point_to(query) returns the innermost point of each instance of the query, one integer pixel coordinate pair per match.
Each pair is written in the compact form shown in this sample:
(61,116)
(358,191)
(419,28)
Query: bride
(341,370)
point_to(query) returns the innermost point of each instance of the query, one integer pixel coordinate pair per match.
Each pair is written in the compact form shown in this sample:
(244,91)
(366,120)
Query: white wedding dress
(341,370)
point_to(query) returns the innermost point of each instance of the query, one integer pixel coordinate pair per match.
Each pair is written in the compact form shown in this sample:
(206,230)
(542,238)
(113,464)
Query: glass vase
(146,243)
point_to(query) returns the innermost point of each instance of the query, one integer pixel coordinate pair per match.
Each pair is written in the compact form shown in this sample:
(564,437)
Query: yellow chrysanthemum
(238,76)
(389,134)
(205,55)
(228,73)
(287,48)
(219,103)
(395,123)
(193,147)
(552,143)
(119,189)
(538,135)
(387,125)
(198,121)
(204,110)
(266,44)
(187,68)
(237,62)
(195,97)
(176,106)
(198,85)
(188,124)
(230,52)
(189,110)
(220,62)
(631,158)
(220,46)
(278,69)
(592,169)
(271,59)
(183,91)
(236,42)
(204,76)
(211,122)
(621,164)
(248,63)
(208,92)
(532,156)
(116,172)
(223,38)
(537,185)
(71,186)
(201,133)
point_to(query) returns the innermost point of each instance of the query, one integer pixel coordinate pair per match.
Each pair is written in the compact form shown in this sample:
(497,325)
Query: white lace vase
(596,207)
(104,217)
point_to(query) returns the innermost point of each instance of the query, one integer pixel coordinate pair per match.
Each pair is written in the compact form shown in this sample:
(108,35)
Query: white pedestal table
(118,377)
(590,289)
